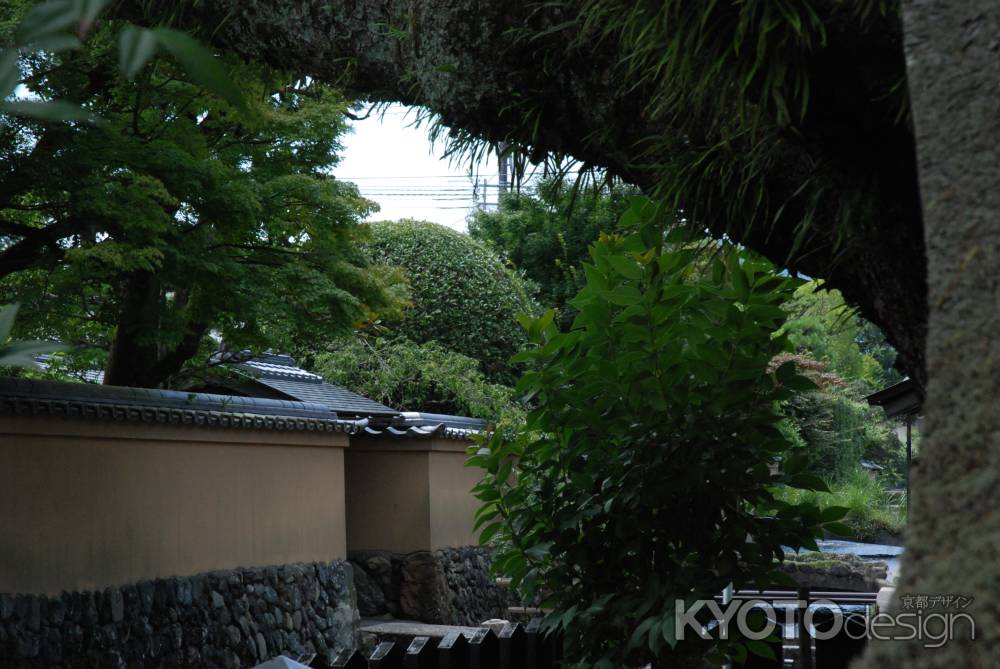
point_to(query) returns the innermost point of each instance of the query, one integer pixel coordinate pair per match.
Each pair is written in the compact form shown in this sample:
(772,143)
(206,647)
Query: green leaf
(795,463)
(761,649)
(135,47)
(7,316)
(489,532)
(800,383)
(10,73)
(52,111)
(839,529)
(640,632)
(669,631)
(539,551)
(833,513)
(46,19)
(808,482)
(623,296)
(201,65)
(55,43)
(89,9)
(627,267)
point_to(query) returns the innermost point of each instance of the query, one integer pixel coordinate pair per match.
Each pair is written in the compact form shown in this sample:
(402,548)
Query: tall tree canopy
(178,217)
(546,231)
(783,125)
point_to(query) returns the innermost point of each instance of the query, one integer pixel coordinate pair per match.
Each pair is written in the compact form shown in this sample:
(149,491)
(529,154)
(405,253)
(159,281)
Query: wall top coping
(24,397)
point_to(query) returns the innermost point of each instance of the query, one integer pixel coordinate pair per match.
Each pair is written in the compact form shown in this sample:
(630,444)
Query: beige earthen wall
(87,504)
(405,495)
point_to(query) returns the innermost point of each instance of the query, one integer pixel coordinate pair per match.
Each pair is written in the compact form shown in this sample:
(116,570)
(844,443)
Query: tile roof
(414,424)
(51,398)
(309,398)
(279,373)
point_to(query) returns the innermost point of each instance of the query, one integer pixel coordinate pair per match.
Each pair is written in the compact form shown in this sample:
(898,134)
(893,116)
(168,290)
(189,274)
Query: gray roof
(279,373)
(79,400)
(296,394)
(414,424)
(902,399)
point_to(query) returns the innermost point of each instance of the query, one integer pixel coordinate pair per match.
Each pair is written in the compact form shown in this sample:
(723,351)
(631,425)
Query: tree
(179,220)
(782,125)
(644,462)
(462,294)
(823,327)
(417,377)
(546,233)
(953,70)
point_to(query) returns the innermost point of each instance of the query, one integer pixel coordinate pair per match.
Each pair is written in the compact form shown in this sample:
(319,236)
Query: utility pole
(504,169)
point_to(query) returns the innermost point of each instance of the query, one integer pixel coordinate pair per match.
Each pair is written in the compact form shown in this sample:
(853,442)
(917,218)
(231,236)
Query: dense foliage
(463,296)
(546,232)
(180,218)
(837,350)
(646,452)
(873,513)
(416,377)
(822,326)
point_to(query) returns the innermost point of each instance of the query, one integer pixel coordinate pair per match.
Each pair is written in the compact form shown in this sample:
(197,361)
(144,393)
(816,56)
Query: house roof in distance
(280,374)
(901,399)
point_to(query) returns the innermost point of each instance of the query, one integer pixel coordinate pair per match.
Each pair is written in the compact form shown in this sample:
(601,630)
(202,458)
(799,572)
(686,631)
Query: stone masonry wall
(451,586)
(224,619)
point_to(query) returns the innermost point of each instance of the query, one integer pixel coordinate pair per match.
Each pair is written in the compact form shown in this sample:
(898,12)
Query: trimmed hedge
(464,297)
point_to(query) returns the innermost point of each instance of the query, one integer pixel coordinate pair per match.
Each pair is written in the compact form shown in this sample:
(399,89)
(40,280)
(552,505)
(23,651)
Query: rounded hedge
(464,297)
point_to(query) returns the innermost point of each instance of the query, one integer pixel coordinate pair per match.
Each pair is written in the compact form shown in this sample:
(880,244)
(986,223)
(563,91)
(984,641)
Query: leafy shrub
(463,295)
(417,377)
(634,480)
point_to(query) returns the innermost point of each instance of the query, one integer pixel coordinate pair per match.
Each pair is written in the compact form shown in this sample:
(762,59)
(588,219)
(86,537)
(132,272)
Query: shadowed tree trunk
(953,56)
(136,359)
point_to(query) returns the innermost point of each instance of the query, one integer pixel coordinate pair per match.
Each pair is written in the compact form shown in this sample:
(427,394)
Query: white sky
(399,168)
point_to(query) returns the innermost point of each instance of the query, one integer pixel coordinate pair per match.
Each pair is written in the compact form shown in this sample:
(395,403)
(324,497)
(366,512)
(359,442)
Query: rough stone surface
(953,536)
(475,595)
(371,599)
(234,618)
(451,586)
(823,571)
(423,590)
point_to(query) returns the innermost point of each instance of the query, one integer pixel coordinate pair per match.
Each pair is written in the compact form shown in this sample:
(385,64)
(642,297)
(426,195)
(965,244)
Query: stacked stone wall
(225,619)
(450,586)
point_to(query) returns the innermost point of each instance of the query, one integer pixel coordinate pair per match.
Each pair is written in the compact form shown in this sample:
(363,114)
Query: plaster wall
(85,504)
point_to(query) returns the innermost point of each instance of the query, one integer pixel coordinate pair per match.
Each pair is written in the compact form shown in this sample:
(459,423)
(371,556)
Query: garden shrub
(464,297)
(417,377)
(635,480)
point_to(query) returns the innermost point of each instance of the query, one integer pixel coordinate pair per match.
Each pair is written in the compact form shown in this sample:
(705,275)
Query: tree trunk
(138,358)
(953,57)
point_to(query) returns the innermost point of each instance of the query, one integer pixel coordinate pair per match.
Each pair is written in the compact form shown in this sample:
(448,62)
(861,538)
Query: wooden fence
(520,647)
(516,647)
